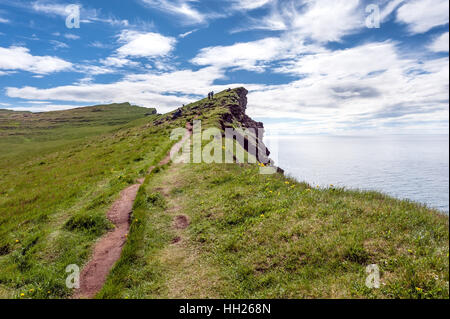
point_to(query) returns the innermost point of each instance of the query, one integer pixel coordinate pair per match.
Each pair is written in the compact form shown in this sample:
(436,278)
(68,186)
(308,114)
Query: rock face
(238,111)
(237,114)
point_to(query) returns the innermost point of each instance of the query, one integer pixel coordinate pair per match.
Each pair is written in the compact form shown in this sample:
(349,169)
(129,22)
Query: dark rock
(177,114)
(237,113)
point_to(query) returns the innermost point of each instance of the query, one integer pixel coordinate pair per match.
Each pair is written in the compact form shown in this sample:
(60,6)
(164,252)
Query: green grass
(250,235)
(25,133)
(53,201)
(256,236)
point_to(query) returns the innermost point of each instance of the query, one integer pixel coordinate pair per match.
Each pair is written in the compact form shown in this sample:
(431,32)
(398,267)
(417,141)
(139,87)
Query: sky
(339,67)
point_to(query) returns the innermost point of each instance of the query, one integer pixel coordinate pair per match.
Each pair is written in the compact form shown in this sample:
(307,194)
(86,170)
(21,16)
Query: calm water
(413,167)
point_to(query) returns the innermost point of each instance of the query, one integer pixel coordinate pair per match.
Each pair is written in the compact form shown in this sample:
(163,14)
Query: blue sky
(311,66)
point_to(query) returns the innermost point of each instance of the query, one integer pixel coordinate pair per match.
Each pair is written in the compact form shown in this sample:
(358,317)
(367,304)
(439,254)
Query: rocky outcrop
(235,104)
(237,115)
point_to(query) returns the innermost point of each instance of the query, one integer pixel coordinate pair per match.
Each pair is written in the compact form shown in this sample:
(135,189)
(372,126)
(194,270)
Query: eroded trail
(109,248)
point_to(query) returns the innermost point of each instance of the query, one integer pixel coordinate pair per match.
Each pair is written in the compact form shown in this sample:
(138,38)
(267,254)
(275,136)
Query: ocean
(406,167)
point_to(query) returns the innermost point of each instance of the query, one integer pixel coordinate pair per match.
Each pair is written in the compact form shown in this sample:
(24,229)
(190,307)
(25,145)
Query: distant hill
(20,130)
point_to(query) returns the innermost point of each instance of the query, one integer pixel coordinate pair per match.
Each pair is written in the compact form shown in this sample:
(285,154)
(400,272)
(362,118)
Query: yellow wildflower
(17,240)
(22,294)
(419,289)
(287,183)
(31,290)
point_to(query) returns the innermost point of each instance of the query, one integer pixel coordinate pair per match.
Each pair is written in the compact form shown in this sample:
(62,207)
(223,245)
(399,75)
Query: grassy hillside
(256,236)
(206,230)
(65,174)
(26,132)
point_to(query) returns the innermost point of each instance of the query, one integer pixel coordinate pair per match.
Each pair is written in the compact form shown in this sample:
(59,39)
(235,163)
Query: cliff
(226,109)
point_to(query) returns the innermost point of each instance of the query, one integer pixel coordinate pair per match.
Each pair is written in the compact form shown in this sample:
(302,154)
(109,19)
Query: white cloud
(334,91)
(181,8)
(349,90)
(71,36)
(440,44)
(357,61)
(38,102)
(3,20)
(88,15)
(184,35)
(252,56)
(49,8)
(389,8)
(248,56)
(99,45)
(249,4)
(2,73)
(58,44)
(113,21)
(19,58)
(148,45)
(319,20)
(91,70)
(324,20)
(118,62)
(423,15)
(354,89)
(163,90)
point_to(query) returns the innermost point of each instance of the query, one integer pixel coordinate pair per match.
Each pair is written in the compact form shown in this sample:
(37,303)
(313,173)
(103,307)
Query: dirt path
(187,273)
(109,248)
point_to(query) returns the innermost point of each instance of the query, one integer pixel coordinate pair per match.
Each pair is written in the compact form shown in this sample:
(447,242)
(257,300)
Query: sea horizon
(406,166)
